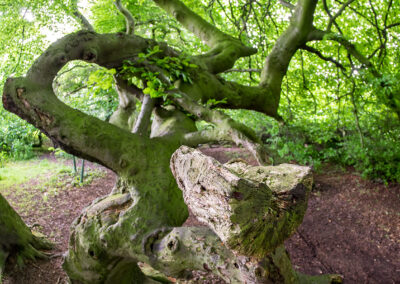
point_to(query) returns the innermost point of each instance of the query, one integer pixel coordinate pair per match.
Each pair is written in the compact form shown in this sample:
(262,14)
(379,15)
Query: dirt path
(53,220)
(352,227)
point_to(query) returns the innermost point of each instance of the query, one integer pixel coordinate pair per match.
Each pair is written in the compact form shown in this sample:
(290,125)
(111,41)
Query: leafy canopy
(334,107)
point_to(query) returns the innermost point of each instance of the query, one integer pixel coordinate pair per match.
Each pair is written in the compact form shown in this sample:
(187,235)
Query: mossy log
(16,239)
(252,209)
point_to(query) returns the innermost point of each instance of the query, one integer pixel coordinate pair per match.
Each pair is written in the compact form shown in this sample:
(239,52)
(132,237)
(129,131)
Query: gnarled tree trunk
(250,210)
(16,239)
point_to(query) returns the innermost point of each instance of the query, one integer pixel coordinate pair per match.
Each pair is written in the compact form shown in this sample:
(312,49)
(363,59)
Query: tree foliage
(340,93)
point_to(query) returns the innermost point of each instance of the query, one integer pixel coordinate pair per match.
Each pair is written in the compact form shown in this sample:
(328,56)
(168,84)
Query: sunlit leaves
(157,83)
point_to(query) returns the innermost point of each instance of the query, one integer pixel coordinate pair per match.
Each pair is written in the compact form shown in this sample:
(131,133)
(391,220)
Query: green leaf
(147,91)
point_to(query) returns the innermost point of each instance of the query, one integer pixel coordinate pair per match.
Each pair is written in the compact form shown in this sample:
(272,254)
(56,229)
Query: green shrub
(17,137)
(320,141)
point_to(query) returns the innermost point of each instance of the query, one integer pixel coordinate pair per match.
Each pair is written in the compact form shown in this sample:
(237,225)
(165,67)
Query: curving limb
(296,35)
(130,21)
(226,129)
(225,49)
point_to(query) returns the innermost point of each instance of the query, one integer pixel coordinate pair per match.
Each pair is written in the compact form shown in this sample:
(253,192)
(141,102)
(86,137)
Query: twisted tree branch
(225,49)
(130,21)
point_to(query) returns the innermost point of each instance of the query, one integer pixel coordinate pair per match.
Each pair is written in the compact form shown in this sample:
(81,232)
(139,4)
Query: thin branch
(78,89)
(287,4)
(357,12)
(231,17)
(232,13)
(209,10)
(243,70)
(83,21)
(355,112)
(305,85)
(74,11)
(21,50)
(130,21)
(376,25)
(387,13)
(331,18)
(22,42)
(288,98)
(341,10)
(69,70)
(81,18)
(350,47)
(323,57)
(392,25)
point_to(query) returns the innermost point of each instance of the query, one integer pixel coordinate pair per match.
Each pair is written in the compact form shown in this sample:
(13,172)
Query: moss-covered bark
(117,228)
(133,224)
(16,239)
(252,212)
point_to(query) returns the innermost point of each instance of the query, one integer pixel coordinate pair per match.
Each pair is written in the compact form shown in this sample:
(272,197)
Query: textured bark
(113,232)
(168,122)
(143,122)
(252,209)
(226,129)
(16,239)
(126,227)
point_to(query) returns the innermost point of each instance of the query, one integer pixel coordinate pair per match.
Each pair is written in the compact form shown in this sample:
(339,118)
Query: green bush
(17,137)
(316,142)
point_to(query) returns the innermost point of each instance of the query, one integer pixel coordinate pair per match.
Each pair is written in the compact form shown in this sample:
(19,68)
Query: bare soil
(54,220)
(351,227)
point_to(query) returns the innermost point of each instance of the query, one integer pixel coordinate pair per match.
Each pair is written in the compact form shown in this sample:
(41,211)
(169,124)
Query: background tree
(181,88)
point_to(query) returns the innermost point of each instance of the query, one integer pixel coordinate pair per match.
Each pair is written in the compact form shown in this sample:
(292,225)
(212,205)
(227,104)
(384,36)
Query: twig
(243,70)
(287,4)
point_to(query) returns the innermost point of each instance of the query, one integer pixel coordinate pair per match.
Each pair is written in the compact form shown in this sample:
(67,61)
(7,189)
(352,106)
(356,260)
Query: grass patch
(28,185)
(19,172)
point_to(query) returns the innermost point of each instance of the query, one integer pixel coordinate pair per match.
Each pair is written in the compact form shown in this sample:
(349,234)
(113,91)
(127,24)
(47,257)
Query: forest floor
(351,227)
